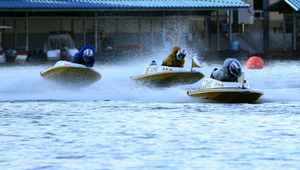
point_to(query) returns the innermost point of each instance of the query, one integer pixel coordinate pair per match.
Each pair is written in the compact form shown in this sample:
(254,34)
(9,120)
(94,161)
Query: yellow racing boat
(73,74)
(164,76)
(226,92)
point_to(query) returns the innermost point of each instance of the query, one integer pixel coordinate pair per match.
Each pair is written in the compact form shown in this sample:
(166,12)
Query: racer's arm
(76,58)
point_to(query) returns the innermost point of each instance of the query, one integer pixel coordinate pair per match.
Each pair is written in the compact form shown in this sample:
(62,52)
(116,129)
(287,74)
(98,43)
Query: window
(258,5)
(258,9)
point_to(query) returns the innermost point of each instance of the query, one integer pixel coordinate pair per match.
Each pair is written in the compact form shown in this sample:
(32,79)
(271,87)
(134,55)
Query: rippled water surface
(117,124)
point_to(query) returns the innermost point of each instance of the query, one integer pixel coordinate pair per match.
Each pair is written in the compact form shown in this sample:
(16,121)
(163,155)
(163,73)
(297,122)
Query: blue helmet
(181,54)
(235,69)
(87,55)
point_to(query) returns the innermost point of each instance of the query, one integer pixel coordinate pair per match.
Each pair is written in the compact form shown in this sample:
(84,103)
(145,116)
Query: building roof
(284,6)
(98,5)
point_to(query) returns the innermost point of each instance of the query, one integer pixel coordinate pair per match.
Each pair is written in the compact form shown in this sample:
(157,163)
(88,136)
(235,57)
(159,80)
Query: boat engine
(65,55)
(10,55)
(36,56)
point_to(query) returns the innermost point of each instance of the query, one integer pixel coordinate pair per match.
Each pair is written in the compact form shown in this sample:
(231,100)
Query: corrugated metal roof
(120,4)
(284,6)
(295,4)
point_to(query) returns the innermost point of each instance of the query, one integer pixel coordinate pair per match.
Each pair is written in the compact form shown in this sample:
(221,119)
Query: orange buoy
(255,62)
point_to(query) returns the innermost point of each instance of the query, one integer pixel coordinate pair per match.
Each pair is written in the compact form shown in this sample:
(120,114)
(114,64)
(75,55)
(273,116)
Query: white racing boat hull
(67,73)
(164,76)
(225,92)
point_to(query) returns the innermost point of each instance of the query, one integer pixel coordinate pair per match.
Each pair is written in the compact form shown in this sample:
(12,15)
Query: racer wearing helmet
(230,71)
(85,56)
(176,58)
(181,54)
(235,68)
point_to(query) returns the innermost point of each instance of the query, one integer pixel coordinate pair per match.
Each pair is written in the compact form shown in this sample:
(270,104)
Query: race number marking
(212,84)
(151,70)
(166,69)
(67,64)
(218,84)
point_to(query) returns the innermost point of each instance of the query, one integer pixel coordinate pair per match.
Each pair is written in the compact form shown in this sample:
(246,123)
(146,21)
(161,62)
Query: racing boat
(226,92)
(164,76)
(73,74)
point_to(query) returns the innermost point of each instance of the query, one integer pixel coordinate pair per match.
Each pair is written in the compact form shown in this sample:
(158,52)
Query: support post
(27,33)
(96,32)
(266,25)
(294,32)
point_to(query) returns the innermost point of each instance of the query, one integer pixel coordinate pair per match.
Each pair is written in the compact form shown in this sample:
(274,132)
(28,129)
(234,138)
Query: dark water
(117,124)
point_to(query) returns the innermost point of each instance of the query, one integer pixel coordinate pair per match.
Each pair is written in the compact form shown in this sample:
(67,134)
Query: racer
(85,56)
(230,71)
(176,58)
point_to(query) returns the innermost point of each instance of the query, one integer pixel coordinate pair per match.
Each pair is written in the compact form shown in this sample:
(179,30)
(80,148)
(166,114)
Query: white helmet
(87,54)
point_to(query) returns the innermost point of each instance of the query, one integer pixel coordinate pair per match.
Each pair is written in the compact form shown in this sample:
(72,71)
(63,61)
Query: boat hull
(169,79)
(227,95)
(168,76)
(72,74)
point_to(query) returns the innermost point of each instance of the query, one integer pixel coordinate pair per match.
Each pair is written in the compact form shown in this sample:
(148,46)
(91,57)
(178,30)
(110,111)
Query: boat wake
(25,83)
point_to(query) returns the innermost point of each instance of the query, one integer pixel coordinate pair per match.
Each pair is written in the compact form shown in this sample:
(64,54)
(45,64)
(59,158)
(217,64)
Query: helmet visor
(237,72)
(180,56)
(87,56)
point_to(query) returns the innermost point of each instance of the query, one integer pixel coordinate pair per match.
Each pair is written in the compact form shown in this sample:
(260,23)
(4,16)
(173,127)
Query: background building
(131,28)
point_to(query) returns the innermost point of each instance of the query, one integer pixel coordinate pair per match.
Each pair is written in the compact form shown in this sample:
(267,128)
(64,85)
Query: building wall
(149,32)
(275,18)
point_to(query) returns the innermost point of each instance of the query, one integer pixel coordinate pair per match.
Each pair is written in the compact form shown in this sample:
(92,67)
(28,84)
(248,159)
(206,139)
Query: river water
(117,124)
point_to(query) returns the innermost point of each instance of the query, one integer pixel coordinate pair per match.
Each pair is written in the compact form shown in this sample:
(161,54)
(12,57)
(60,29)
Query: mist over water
(279,80)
